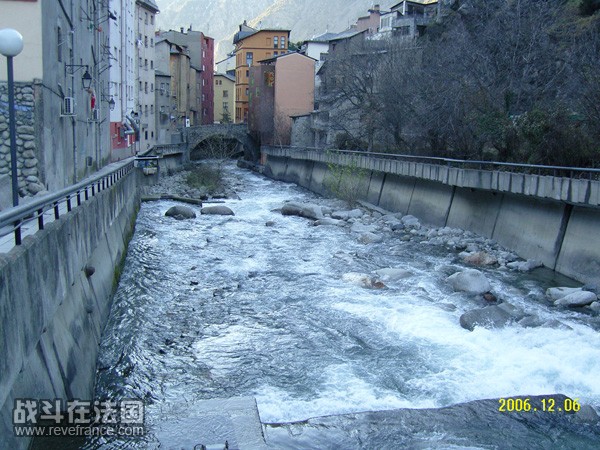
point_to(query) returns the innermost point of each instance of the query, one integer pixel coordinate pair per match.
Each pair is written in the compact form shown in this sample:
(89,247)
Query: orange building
(251,47)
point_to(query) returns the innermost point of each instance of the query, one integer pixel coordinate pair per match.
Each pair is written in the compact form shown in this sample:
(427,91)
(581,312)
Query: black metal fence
(15,218)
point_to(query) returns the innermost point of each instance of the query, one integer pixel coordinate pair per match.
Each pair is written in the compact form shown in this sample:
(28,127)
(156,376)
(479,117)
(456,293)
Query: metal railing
(564,171)
(73,196)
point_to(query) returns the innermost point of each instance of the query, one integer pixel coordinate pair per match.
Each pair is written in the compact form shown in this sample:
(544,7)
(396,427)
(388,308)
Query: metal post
(12,131)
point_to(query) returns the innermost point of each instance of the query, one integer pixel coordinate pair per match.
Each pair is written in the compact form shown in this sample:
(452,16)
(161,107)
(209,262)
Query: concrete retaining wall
(52,315)
(549,219)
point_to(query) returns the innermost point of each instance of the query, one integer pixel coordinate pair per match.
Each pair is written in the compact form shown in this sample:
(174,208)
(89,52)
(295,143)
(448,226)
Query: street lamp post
(11,44)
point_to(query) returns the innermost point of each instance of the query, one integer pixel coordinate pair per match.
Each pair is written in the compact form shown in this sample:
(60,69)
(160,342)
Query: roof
(283,55)
(325,37)
(225,75)
(350,32)
(419,2)
(247,31)
(148,4)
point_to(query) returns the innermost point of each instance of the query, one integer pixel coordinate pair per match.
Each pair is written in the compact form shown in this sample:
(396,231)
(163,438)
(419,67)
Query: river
(226,306)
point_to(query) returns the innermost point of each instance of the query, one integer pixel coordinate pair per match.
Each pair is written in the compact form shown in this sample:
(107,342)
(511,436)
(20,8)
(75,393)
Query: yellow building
(224,97)
(252,46)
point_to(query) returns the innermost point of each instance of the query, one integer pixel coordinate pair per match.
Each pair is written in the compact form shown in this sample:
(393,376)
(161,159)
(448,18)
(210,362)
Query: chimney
(181,30)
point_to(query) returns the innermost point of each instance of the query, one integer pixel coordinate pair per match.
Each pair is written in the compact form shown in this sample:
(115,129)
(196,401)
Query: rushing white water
(219,307)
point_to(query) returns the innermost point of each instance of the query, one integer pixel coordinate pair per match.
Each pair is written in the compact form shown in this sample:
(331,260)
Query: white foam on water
(339,392)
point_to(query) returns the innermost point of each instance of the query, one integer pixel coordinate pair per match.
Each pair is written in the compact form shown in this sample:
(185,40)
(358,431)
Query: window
(275,53)
(203,97)
(140,64)
(146,22)
(146,63)
(146,87)
(282,42)
(225,106)
(152,64)
(247,91)
(275,42)
(151,42)
(152,111)
(203,82)
(59,43)
(141,86)
(151,87)
(247,74)
(146,41)
(225,94)
(249,58)
(146,135)
(152,19)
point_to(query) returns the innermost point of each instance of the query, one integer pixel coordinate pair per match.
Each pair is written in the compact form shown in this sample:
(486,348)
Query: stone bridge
(194,136)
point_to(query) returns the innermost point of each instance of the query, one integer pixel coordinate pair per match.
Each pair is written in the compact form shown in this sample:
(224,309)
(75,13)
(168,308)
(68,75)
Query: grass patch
(205,177)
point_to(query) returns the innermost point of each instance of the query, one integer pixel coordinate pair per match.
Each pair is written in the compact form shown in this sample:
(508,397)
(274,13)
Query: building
(121,87)
(201,50)
(224,103)
(408,19)
(63,129)
(280,87)
(185,89)
(165,120)
(252,46)
(227,65)
(144,111)
(370,23)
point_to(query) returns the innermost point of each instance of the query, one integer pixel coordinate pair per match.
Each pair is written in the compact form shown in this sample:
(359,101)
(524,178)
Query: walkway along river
(227,306)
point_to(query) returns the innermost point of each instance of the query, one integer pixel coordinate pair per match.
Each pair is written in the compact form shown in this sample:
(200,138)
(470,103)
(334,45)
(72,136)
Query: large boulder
(219,210)
(307,210)
(411,222)
(391,274)
(180,212)
(489,317)
(480,259)
(359,227)
(471,281)
(581,298)
(525,266)
(556,293)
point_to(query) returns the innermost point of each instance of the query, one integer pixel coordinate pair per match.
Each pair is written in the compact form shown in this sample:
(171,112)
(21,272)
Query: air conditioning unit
(68,106)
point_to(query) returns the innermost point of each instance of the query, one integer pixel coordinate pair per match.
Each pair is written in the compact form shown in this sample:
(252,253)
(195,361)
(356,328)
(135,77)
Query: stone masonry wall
(27,162)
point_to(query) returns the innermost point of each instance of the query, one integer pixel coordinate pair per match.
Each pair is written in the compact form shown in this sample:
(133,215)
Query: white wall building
(145,31)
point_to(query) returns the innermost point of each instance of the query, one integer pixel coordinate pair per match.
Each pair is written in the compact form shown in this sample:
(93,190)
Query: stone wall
(27,145)
(52,310)
(549,219)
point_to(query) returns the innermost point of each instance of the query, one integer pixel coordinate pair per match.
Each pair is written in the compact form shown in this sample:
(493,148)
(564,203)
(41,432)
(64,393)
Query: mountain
(220,18)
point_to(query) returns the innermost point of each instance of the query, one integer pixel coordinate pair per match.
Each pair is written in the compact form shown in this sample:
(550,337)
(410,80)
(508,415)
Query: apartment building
(251,47)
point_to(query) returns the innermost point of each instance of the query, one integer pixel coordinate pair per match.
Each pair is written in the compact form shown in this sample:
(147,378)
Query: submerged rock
(391,274)
(180,212)
(489,317)
(329,221)
(363,280)
(219,210)
(370,238)
(471,281)
(480,259)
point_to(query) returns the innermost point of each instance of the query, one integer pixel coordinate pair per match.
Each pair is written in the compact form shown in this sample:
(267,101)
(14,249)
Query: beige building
(251,47)
(224,98)
(281,87)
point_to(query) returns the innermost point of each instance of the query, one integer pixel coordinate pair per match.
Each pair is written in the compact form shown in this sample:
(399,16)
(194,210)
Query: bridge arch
(196,136)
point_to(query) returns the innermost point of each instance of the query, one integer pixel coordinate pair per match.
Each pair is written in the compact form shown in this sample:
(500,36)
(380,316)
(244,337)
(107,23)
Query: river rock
(556,293)
(180,212)
(307,210)
(595,306)
(480,259)
(345,215)
(363,280)
(581,298)
(489,317)
(525,266)
(218,210)
(410,222)
(329,221)
(359,227)
(393,274)
(471,281)
(370,238)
